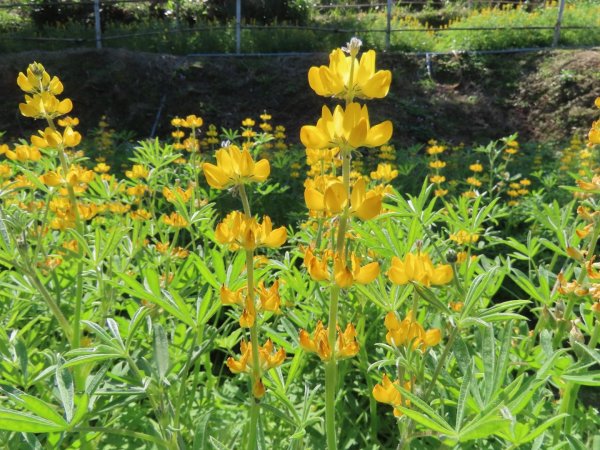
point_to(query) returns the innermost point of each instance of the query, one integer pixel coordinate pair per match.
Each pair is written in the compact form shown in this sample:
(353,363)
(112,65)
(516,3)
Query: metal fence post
(388,29)
(561,10)
(238,26)
(97,24)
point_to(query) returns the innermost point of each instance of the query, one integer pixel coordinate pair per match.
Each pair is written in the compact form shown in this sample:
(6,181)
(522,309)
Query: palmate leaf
(169,301)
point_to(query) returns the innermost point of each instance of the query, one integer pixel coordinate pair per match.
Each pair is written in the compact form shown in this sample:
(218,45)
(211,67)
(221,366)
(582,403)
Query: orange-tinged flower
(229,297)
(268,358)
(241,231)
(317,268)
(593,185)
(409,332)
(386,392)
(269,297)
(173,194)
(175,220)
(347,77)
(140,214)
(345,346)
(346,277)
(419,269)
(349,128)
(235,167)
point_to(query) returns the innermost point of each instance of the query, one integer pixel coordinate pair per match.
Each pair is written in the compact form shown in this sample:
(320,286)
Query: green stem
(256,375)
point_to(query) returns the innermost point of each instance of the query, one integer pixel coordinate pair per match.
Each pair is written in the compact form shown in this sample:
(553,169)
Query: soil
(543,96)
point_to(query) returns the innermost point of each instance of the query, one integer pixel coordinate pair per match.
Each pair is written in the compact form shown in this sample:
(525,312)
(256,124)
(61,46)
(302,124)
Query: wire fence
(239,25)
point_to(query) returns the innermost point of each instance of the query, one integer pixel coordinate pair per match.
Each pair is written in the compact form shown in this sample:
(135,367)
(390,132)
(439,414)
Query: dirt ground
(456,98)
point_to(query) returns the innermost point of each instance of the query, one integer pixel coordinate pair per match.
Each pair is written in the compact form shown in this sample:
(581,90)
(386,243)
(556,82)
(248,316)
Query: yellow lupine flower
(268,358)
(386,392)
(477,167)
(345,277)
(345,346)
(192,121)
(409,332)
(345,128)
(437,164)
(335,80)
(464,237)
(269,297)
(52,138)
(419,269)
(240,231)
(437,179)
(38,80)
(23,153)
(474,181)
(178,192)
(137,171)
(101,168)
(229,297)
(235,167)
(175,220)
(317,268)
(364,205)
(68,122)
(44,105)
(140,214)
(384,172)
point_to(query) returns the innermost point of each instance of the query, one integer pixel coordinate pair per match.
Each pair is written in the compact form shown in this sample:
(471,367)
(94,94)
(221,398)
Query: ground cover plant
(440,296)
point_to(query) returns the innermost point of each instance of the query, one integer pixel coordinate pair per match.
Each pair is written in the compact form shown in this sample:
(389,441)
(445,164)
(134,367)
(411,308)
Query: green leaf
(168,301)
(591,378)
(161,350)
(488,355)
(83,402)
(543,427)
(64,382)
(35,405)
(18,421)
(462,396)
(427,422)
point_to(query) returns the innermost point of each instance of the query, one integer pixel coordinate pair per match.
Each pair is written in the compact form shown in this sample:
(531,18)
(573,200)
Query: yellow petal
(379,134)
(397,272)
(262,169)
(315,201)
(368,273)
(215,177)
(310,136)
(336,197)
(276,238)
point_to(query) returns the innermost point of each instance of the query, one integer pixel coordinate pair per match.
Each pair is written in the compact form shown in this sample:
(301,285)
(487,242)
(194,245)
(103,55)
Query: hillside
(543,96)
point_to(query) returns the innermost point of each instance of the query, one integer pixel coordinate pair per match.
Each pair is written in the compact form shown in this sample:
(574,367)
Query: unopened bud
(451,256)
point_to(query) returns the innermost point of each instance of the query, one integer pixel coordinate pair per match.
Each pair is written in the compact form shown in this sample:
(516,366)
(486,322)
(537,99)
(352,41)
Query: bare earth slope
(542,96)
